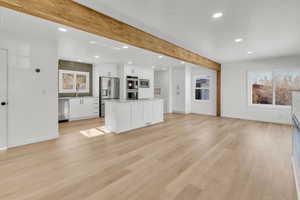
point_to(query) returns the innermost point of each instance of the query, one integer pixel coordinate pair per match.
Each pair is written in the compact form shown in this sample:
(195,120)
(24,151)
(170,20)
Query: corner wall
(32,97)
(234,89)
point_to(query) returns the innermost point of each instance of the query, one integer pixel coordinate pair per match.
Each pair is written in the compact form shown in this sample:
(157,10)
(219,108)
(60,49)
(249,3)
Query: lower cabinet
(158,109)
(137,114)
(148,113)
(124,116)
(84,108)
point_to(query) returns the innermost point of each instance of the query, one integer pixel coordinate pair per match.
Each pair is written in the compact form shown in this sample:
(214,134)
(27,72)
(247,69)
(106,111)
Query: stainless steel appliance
(109,88)
(132,87)
(144,83)
(63,110)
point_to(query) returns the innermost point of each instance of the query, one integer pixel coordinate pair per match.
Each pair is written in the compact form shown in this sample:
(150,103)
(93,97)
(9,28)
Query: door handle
(3,103)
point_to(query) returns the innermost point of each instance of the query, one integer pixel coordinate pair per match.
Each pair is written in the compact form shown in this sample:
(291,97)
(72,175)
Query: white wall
(234,89)
(202,107)
(32,97)
(188,89)
(161,80)
(142,73)
(183,93)
(110,70)
(178,89)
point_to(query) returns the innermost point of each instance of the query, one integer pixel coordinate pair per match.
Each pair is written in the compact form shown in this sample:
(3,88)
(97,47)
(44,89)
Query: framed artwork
(74,81)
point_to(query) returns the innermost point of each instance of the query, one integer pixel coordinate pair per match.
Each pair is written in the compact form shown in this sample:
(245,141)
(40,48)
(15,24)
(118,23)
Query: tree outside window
(273,88)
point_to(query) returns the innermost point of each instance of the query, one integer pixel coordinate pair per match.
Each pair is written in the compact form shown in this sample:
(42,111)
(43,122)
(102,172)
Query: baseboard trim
(3,148)
(256,120)
(296,179)
(33,141)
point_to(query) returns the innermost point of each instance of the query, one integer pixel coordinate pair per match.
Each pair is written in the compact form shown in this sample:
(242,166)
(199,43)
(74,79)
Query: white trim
(33,140)
(295,176)
(7,95)
(209,88)
(272,106)
(3,148)
(61,89)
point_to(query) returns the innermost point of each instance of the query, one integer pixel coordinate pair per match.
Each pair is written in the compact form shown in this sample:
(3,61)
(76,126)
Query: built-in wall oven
(132,87)
(144,83)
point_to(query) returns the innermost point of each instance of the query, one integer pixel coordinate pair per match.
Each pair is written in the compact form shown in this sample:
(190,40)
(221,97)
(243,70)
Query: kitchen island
(126,115)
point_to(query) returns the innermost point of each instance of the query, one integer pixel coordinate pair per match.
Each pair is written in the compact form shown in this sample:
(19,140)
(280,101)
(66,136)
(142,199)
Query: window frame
(209,88)
(266,106)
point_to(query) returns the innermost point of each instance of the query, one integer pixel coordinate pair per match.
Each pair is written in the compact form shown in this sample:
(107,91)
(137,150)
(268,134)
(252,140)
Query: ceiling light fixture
(62,29)
(125,47)
(217,15)
(182,62)
(92,42)
(250,52)
(239,40)
(96,57)
(160,57)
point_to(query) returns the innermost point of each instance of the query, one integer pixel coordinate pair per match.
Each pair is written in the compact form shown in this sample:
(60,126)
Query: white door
(3,99)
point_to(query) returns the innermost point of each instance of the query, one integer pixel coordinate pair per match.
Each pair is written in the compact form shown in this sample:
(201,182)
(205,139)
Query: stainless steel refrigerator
(109,89)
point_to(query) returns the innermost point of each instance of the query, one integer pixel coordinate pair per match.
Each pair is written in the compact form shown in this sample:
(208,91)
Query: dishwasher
(63,110)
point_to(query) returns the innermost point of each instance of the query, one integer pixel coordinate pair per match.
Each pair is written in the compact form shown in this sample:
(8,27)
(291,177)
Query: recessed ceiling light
(160,57)
(62,29)
(79,60)
(125,47)
(92,42)
(217,15)
(239,40)
(182,62)
(130,62)
(250,52)
(96,56)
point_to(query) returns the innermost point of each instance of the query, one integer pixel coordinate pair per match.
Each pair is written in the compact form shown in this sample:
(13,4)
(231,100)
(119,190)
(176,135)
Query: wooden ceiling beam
(70,13)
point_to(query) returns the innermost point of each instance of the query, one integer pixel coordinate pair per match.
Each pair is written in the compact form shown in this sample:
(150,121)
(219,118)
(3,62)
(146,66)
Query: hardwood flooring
(187,157)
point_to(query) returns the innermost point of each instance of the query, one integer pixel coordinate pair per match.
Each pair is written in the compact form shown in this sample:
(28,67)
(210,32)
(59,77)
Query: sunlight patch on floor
(94,132)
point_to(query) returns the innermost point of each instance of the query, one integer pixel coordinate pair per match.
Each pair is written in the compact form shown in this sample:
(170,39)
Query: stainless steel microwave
(144,83)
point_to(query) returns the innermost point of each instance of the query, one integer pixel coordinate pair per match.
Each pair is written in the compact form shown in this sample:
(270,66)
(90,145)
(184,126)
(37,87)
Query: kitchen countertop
(130,101)
(66,98)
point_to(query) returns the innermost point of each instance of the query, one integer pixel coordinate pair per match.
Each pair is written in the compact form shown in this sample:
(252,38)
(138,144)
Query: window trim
(208,77)
(265,106)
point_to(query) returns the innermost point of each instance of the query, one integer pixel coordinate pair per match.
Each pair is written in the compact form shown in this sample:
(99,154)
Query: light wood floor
(185,158)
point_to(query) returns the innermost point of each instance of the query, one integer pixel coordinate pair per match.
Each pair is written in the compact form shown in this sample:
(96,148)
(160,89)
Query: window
(202,88)
(272,88)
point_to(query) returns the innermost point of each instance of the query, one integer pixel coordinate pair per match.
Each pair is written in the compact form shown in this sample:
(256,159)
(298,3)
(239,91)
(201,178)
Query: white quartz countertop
(76,97)
(130,101)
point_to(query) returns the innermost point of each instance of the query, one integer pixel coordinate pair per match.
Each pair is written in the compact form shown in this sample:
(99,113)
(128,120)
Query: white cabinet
(84,108)
(137,114)
(121,116)
(130,70)
(148,112)
(158,108)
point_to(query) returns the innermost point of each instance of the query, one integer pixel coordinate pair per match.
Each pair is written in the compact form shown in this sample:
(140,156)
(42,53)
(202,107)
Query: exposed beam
(75,15)
(72,14)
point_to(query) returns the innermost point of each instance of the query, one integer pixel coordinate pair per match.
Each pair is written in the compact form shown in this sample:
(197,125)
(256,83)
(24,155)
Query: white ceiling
(269,27)
(75,44)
